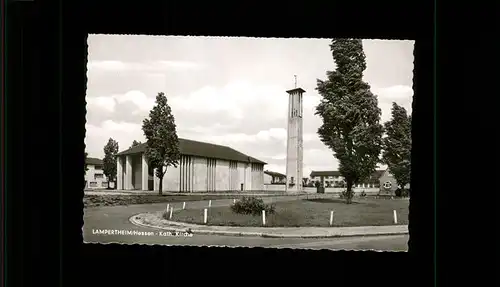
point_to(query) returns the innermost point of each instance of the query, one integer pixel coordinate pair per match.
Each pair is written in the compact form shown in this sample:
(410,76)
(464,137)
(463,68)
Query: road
(117,218)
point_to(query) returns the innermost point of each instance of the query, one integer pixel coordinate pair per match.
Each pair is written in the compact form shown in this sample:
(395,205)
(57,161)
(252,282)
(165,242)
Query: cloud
(240,99)
(138,98)
(181,65)
(262,137)
(400,94)
(97,136)
(130,103)
(394,92)
(148,66)
(279,156)
(106,103)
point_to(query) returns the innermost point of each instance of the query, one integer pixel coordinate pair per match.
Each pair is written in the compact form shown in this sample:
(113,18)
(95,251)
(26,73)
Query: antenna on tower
(295,76)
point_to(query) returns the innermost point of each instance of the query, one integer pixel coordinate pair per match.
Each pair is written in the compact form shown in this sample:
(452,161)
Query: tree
(351,117)
(135,143)
(397,145)
(162,149)
(110,151)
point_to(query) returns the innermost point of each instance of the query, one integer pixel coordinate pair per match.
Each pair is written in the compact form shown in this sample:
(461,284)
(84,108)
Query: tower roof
(300,90)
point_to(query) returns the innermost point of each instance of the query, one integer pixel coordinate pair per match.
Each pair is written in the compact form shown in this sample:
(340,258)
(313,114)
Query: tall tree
(110,151)
(135,143)
(397,145)
(351,117)
(162,148)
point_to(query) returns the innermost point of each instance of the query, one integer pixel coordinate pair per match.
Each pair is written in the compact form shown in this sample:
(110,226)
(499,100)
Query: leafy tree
(110,151)
(135,143)
(351,117)
(162,148)
(397,145)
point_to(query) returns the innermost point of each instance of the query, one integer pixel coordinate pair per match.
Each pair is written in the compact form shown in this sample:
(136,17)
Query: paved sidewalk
(154,221)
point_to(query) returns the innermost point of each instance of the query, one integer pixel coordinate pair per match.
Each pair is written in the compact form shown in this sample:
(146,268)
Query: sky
(228,90)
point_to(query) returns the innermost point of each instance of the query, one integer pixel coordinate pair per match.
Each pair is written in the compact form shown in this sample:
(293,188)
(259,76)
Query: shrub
(405,193)
(345,195)
(165,214)
(397,192)
(402,192)
(253,206)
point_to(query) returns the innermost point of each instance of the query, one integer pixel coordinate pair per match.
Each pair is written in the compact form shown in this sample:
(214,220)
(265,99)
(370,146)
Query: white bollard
(168,207)
(205,216)
(234,201)
(171,211)
(331,218)
(210,203)
(263,217)
(184,205)
(395,217)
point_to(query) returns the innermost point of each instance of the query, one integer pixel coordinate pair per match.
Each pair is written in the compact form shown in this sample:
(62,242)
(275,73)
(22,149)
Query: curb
(179,228)
(367,234)
(195,231)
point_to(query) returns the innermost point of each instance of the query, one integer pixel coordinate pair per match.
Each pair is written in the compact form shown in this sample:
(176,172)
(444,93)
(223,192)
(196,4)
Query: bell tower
(294,146)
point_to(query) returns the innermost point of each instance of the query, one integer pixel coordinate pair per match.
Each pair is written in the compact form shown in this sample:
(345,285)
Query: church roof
(273,173)
(201,149)
(93,161)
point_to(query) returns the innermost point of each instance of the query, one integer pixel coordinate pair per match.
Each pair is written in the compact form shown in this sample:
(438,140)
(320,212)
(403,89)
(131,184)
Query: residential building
(330,178)
(203,167)
(94,176)
(388,183)
(271,177)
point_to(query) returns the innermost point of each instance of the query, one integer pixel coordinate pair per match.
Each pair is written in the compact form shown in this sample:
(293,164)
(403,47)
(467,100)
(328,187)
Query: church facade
(203,167)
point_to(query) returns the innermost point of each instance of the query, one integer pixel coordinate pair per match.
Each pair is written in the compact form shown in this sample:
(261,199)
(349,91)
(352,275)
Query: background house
(329,178)
(94,176)
(332,178)
(388,183)
(271,177)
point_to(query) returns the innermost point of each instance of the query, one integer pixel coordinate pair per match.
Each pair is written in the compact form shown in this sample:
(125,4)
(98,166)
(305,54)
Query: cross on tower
(295,76)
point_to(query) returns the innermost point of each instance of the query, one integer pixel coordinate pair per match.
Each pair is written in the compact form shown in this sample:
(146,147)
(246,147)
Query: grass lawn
(308,212)
(114,200)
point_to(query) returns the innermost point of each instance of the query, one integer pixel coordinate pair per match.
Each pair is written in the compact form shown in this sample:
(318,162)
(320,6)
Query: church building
(203,167)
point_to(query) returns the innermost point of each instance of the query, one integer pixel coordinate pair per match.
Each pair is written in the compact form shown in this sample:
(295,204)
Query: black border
(50,48)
